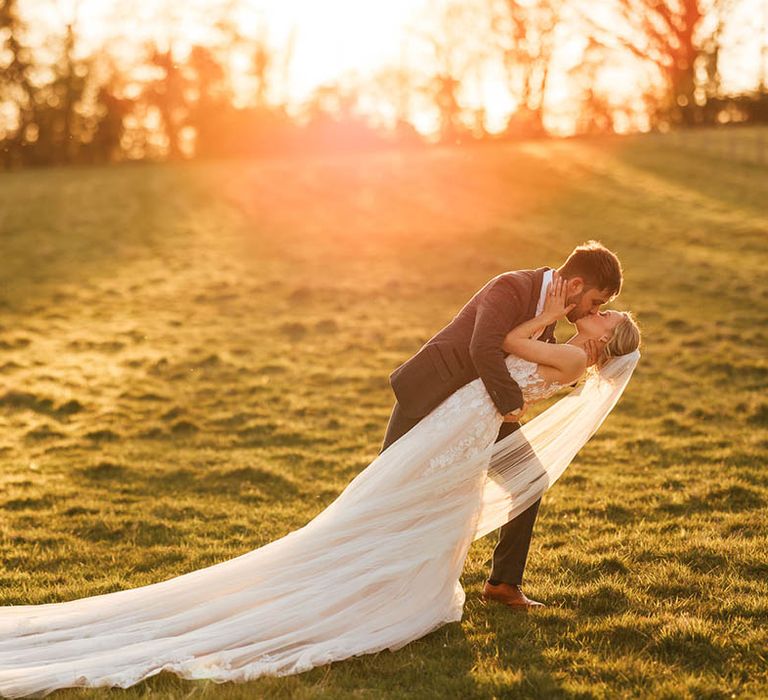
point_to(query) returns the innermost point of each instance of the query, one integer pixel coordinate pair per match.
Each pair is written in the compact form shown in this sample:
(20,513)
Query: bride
(378,568)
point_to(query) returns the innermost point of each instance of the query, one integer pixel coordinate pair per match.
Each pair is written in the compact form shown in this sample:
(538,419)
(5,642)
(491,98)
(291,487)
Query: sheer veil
(527,462)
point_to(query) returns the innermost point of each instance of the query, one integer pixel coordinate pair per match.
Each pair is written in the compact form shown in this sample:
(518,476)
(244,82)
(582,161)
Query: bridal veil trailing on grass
(378,568)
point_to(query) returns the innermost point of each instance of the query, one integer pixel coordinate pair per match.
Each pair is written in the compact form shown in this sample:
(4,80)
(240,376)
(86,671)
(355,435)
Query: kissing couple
(380,566)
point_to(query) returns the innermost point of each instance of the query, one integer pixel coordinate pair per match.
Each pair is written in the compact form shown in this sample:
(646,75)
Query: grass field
(194,361)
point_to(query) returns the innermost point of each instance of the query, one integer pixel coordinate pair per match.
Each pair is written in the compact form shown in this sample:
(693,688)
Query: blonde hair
(625,339)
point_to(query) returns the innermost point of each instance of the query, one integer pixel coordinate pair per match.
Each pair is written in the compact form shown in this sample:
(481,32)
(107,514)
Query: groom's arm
(501,308)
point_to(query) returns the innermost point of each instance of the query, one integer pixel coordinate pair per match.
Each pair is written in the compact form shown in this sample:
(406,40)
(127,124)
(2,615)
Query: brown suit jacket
(470,347)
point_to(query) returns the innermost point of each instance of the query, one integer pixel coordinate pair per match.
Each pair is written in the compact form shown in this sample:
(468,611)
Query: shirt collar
(545,280)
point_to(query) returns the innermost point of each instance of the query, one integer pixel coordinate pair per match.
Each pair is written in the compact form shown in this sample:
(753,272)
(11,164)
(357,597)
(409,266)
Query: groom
(470,346)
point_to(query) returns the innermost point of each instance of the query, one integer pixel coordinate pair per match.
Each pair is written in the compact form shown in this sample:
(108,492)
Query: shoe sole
(511,606)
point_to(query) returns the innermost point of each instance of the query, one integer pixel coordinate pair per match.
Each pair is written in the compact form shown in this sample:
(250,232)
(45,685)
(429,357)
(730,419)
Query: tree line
(61,105)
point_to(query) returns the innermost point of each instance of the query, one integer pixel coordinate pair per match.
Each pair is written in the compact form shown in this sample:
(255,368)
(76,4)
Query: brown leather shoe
(509,595)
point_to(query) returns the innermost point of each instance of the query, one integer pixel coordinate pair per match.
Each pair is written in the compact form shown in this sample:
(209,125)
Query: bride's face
(599,325)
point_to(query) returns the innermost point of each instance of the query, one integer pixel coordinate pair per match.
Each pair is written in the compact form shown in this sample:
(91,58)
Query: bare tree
(397,86)
(16,86)
(60,120)
(168,94)
(456,49)
(525,33)
(672,36)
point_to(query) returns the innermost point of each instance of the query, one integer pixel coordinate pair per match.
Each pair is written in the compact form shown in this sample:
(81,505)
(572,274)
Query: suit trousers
(511,552)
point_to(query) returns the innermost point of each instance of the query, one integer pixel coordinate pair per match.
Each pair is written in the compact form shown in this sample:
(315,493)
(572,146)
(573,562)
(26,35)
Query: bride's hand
(555,306)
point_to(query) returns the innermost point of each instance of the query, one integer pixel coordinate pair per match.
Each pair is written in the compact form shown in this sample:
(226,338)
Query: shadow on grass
(738,184)
(271,486)
(732,499)
(522,640)
(64,229)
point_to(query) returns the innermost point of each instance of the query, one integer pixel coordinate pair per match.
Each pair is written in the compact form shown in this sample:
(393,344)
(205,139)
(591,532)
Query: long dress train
(378,568)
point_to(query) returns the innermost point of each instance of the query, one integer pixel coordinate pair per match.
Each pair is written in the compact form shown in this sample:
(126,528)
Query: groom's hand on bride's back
(516,415)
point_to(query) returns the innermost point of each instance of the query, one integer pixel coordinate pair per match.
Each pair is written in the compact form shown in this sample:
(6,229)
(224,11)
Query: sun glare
(340,37)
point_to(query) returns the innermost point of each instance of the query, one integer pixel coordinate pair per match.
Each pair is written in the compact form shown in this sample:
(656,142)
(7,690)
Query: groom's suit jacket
(470,347)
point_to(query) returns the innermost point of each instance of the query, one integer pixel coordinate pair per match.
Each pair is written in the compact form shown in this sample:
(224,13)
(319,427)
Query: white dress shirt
(542,298)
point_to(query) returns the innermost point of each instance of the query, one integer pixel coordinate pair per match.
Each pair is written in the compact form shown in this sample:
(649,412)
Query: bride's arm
(566,362)
(555,308)
(528,328)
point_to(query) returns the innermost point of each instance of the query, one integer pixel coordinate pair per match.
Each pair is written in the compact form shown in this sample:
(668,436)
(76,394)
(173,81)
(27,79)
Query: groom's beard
(575,314)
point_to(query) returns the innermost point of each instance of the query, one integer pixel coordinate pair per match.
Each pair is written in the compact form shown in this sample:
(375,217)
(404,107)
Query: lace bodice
(475,418)
(474,398)
(531,383)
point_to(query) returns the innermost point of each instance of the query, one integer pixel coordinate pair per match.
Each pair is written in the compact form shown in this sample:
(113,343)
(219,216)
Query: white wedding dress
(375,570)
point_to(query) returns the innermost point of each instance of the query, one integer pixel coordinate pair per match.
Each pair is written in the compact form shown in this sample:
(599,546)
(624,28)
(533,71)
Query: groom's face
(588,300)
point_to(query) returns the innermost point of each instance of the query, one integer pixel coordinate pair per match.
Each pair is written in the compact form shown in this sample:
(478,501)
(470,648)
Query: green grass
(194,361)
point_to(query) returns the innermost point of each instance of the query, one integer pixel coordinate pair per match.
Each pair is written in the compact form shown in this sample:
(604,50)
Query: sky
(334,40)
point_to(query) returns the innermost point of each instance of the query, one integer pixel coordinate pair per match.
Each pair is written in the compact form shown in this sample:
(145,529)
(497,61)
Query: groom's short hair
(596,265)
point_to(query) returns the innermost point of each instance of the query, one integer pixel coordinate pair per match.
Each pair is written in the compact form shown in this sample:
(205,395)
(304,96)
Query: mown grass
(194,361)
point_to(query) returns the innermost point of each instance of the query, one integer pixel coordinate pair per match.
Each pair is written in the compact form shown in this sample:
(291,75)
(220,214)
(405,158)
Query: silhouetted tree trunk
(459,49)
(106,144)
(525,33)
(168,95)
(444,89)
(63,133)
(212,106)
(396,86)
